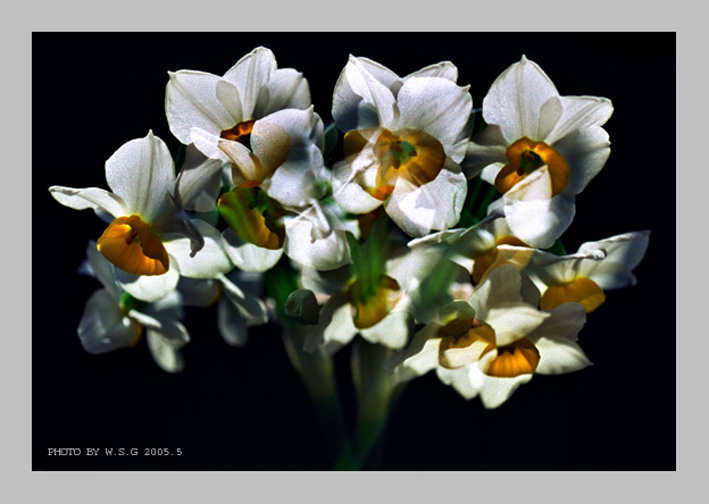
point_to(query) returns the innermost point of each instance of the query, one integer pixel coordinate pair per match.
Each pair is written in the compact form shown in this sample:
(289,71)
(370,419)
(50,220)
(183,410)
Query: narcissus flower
(114,319)
(146,221)
(405,138)
(497,341)
(256,117)
(539,149)
(584,276)
(481,248)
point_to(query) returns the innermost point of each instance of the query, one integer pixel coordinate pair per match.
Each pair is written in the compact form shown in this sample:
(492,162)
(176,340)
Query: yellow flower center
(410,154)
(239,133)
(130,245)
(370,308)
(524,156)
(484,261)
(465,341)
(253,216)
(582,290)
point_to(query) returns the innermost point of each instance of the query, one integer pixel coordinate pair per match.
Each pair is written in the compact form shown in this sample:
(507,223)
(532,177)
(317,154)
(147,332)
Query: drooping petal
(516,98)
(142,173)
(199,292)
(191,102)
(100,268)
(90,197)
(103,327)
(439,107)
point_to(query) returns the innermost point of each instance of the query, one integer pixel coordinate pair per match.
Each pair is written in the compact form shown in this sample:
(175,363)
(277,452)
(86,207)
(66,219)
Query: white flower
(405,139)
(114,319)
(539,149)
(380,306)
(256,117)
(596,267)
(481,248)
(495,342)
(150,238)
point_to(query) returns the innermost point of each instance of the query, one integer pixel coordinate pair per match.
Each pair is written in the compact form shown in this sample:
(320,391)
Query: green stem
(375,391)
(317,372)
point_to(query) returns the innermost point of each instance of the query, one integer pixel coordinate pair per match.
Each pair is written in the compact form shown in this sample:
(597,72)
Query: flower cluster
(427,227)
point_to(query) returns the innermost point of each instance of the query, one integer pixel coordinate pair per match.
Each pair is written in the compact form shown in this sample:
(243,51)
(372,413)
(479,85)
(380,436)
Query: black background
(245,408)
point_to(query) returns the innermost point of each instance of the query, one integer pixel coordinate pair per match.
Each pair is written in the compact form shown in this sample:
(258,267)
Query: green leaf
(280,281)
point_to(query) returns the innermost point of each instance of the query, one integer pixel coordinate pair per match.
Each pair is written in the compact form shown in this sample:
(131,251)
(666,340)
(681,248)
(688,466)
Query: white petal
(420,357)
(433,206)
(439,107)
(502,286)
(467,381)
(314,243)
(623,253)
(558,356)
(101,269)
(210,144)
(142,173)
(199,292)
(515,100)
(251,307)
(514,321)
(103,327)
(286,89)
(444,69)
(149,288)
(191,102)
(165,345)
(586,151)
(209,262)
(484,149)
(250,75)
(349,194)
(392,331)
(540,222)
(90,197)
(199,181)
(249,257)
(496,391)
(335,328)
(228,95)
(374,95)
(232,325)
(579,112)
